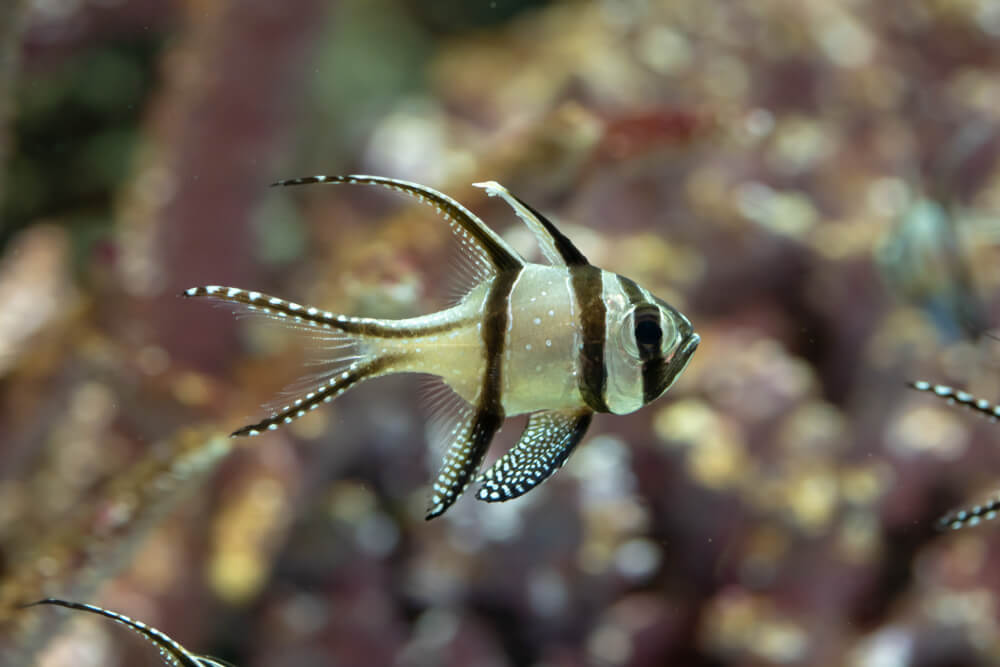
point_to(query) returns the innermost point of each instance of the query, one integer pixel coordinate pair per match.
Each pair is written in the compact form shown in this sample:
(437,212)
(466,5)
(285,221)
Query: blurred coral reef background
(815,183)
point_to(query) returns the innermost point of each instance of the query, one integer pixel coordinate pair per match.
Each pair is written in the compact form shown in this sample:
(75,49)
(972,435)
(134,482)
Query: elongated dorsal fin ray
(170,650)
(490,252)
(556,247)
(547,441)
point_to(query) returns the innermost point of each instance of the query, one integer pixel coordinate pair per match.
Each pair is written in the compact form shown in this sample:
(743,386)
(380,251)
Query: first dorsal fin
(555,245)
(490,252)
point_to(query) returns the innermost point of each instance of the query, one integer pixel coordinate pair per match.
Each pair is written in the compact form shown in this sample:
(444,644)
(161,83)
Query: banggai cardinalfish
(561,341)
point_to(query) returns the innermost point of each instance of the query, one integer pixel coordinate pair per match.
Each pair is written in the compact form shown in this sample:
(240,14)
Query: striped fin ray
(329,389)
(555,245)
(489,253)
(547,441)
(975,514)
(963,398)
(970,516)
(170,650)
(296,315)
(341,347)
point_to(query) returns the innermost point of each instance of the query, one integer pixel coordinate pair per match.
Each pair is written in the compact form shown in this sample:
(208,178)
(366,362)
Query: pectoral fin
(546,443)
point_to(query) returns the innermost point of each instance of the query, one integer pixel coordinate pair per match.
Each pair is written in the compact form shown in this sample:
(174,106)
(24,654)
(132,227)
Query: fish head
(649,345)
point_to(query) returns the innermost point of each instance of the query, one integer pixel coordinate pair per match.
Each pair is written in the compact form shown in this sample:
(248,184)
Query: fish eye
(648,333)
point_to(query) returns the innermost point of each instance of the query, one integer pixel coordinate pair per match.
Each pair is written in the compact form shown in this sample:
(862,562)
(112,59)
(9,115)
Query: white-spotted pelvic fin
(559,341)
(170,650)
(544,447)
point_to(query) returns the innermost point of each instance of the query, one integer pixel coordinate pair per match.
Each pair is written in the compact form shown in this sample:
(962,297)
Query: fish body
(170,650)
(923,261)
(560,341)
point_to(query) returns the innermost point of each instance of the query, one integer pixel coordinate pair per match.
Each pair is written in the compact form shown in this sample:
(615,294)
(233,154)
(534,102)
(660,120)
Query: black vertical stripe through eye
(648,333)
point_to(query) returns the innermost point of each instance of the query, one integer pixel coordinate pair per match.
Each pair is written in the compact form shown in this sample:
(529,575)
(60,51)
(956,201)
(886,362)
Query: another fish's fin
(974,515)
(488,252)
(556,247)
(468,432)
(340,347)
(971,516)
(171,651)
(547,441)
(963,398)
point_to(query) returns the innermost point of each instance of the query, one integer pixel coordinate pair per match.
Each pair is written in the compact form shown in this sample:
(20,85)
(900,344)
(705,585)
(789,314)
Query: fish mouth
(679,361)
(658,376)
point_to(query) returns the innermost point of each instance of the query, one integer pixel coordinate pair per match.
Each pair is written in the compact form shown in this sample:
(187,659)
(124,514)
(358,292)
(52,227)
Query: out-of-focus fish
(172,653)
(923,262)
(974,514)
(560,341)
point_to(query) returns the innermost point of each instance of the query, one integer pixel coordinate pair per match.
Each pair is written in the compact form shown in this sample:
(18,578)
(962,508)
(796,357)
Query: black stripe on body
(588,286)
(569,252)
(465,458)
(324,319)
(633,292)
(334,387)
(489,412)
(169,648)
(495,323)
(653,363)
(496,251)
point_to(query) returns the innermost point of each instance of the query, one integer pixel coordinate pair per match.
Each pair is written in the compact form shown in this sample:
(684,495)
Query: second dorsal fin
(489,252)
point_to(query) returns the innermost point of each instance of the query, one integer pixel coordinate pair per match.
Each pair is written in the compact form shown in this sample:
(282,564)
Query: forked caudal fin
(350,343)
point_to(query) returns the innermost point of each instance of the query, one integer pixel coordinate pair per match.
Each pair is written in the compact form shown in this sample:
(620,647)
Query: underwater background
(814,183)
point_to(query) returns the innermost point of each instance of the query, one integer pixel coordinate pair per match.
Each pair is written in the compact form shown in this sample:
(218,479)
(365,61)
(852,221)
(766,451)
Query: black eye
(647,330)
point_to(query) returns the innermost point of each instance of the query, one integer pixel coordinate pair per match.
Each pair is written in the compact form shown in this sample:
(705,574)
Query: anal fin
(470,438)
(547,441)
